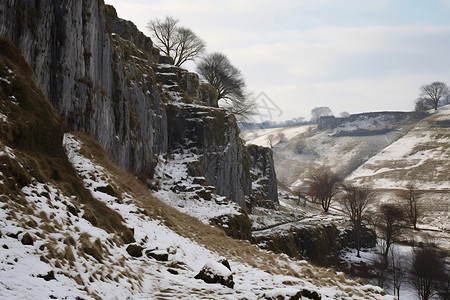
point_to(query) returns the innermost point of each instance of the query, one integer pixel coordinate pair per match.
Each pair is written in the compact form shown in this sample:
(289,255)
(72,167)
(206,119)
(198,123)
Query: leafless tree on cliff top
(229,83)
(179,43)
(434,92)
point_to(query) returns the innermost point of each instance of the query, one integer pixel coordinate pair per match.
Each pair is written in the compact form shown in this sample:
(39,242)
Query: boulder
(135,250)
(216,272)
(49,276)
(27,239)
(159,255)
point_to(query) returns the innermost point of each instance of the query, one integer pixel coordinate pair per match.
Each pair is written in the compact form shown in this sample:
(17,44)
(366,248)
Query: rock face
(92,82)
(264,180)
(104,78)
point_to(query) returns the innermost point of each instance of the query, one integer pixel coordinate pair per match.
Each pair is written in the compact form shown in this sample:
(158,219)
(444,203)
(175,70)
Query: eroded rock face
(264,180)
(88,78)
(213,134)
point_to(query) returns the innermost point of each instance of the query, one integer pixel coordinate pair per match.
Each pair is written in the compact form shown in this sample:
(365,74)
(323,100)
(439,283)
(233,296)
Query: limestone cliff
(105,78)
(264,179)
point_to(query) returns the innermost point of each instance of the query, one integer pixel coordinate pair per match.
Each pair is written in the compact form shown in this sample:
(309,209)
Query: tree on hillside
(318,112)
(390,221)
(434,92)
(355,201)
(422,105)
(323,185)
(179,43)
(397,269)
(428,269)
(411,199)
(229,83)
(344,114)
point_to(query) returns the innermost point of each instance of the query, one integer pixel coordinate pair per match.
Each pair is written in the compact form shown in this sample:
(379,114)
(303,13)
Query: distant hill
(345,146)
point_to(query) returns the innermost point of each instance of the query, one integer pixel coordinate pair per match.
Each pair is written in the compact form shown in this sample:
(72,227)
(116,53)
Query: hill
(343,148)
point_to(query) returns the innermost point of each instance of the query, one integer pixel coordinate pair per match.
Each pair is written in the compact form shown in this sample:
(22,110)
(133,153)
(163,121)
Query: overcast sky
(349,55)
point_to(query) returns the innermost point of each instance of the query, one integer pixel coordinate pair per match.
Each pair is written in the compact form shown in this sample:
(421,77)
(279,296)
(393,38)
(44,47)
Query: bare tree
(281,136)
(427,268)
(188,46)
(398,268)
(390,221)
(179,43)
(355,202)
(229,83)
(344,114)
(323,185)
(444,284)
(434,92)
(422,104)
(271,139)
(411,198)
(318,112)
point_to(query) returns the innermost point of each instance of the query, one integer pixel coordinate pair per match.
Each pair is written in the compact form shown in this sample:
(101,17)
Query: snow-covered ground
(65,244)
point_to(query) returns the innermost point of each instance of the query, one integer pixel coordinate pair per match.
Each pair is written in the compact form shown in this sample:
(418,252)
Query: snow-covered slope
(273,136)
(297,150)
(422,157)
(71,257)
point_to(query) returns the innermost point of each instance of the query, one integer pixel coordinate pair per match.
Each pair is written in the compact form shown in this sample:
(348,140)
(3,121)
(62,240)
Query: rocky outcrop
(128,31)
(104,78)
(214,135)
(264,180)
(319,243)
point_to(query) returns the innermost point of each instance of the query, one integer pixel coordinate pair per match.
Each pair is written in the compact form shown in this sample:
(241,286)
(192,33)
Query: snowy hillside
(422,156)
(299,149)
(69,257)
(380,153)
